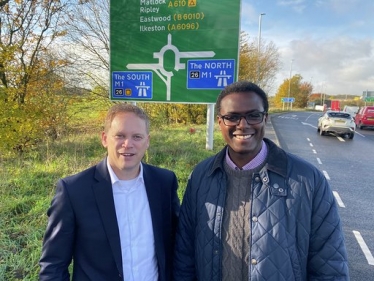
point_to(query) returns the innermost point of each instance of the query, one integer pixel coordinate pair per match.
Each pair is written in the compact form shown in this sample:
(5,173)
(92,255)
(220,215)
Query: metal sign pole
(210,127)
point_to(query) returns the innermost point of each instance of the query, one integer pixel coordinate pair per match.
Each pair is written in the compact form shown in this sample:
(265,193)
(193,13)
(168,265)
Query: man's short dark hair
(242,87)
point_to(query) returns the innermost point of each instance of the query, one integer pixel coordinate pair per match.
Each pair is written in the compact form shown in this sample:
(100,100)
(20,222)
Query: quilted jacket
(296,231)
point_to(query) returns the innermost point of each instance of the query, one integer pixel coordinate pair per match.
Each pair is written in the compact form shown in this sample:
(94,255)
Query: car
(351,110)
(365,117)
(337,123)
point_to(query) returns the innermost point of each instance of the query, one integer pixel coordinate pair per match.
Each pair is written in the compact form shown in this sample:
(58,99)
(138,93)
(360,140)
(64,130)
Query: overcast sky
(331,42)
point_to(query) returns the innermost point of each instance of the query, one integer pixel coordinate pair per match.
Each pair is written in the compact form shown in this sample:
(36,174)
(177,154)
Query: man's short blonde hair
(125,108)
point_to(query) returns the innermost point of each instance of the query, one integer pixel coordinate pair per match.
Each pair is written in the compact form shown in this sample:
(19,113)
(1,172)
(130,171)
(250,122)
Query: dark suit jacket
(83,225)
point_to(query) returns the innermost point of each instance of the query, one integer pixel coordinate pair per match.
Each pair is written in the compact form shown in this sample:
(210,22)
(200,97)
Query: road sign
(189,46)
(369,99)
(130,84)
(210,74)
(288,99)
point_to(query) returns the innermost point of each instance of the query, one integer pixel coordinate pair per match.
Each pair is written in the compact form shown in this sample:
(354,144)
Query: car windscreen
(339,115)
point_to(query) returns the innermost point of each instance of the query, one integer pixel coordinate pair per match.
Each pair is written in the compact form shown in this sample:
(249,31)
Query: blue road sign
(132,84)
(210,74)
(288,99)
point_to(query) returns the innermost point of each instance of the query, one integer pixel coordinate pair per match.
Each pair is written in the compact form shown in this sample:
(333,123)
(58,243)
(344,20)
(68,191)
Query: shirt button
(276,185)
(255,219)
(265,179)
(257,179)
(254,261)
(280,189)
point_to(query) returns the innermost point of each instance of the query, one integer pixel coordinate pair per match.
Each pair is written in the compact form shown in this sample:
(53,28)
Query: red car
(365,117)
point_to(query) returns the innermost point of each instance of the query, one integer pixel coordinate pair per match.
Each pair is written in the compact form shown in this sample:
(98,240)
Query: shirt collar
(113,177)
(255,162)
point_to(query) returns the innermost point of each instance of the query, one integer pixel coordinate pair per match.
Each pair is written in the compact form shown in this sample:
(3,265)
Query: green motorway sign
(183,51)
(369,99)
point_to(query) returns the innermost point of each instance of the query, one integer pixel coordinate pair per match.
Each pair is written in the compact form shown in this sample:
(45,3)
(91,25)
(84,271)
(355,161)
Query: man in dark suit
(115,220)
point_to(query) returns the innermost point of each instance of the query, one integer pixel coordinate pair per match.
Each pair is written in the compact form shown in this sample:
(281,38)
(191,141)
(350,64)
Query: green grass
(176,149)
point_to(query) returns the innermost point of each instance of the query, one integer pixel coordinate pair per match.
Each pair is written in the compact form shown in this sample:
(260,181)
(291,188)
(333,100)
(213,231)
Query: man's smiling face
(244,140)
(126,141)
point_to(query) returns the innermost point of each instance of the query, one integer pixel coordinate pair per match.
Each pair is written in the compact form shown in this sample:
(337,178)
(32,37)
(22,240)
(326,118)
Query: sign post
(183,51)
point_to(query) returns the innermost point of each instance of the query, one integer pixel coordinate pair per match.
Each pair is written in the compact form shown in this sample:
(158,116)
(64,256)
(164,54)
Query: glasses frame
(224,117)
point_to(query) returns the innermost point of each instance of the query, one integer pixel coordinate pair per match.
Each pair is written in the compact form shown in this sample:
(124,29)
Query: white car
(351,110)
(337,123)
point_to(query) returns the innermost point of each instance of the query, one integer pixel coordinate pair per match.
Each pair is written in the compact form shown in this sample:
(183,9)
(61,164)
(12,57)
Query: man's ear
(219,120)
(104,139)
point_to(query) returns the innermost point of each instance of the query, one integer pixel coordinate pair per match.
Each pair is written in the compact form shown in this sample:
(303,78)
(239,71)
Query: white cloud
(331,42)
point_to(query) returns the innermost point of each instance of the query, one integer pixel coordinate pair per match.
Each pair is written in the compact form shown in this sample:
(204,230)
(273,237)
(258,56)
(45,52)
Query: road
(349,167)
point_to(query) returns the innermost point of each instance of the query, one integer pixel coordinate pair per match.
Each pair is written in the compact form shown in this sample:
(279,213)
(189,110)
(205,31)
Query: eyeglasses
(252,118)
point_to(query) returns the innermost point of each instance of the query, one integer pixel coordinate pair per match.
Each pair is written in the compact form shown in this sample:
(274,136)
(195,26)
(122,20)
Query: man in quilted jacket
(255,212)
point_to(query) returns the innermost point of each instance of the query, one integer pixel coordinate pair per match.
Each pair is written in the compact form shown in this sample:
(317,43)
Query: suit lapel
(152,186)
(105,202)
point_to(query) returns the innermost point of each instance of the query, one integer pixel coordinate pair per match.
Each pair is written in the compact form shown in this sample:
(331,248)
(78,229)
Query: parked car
(351,110)
(365,117)
(336,122)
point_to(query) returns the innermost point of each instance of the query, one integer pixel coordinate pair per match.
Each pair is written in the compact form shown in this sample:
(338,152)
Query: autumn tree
(305,90)
(294,88)
(28,70)
(259,67)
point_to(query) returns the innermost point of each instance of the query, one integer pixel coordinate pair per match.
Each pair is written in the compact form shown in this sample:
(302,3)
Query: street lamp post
(259,47)
(289,86)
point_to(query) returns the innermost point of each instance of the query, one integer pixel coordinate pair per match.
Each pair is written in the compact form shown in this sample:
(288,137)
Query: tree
(294,88)
(305,90)
(88,33)
(28,29)
(259,67)
(28,71)
(247,59)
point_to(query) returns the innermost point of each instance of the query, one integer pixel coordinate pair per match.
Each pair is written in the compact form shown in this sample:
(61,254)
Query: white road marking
(359,134)
(338,199)
(326,175)
(314,151)
(340,138)
(288,117)
(364,247)
(319,161)
(309,125)
(311,144)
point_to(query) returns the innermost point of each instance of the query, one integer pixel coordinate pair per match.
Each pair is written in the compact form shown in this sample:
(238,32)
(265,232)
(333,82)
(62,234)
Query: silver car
(337,123)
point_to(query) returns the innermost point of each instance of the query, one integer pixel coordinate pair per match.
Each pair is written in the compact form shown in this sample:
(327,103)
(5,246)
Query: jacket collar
(276,160)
